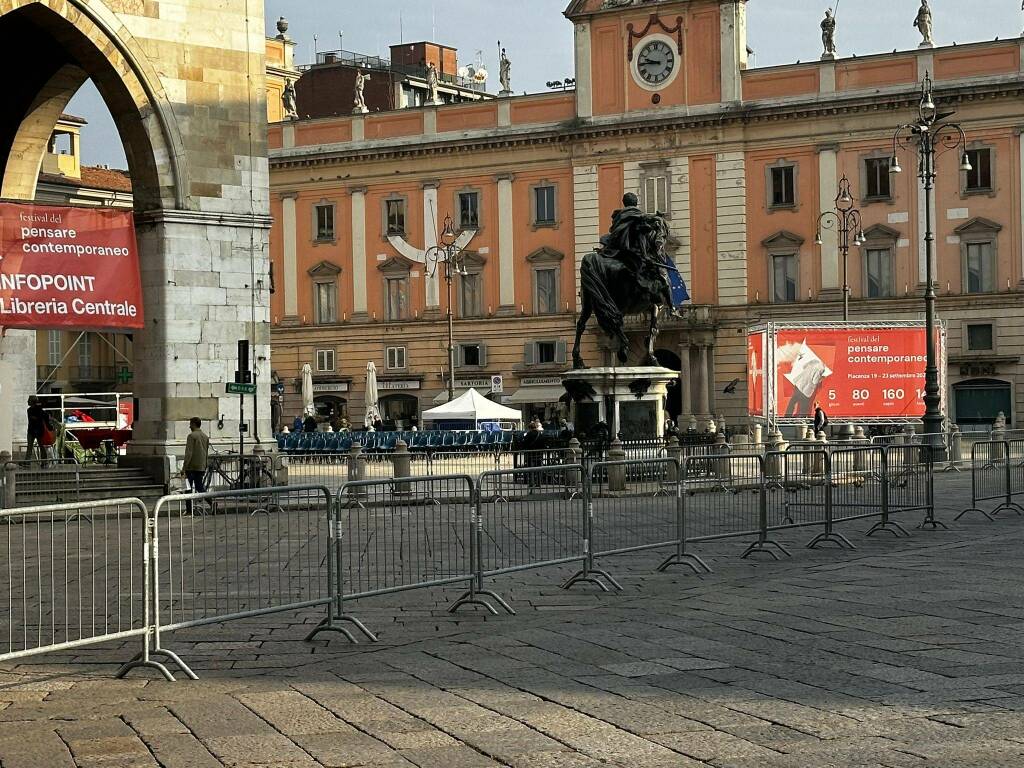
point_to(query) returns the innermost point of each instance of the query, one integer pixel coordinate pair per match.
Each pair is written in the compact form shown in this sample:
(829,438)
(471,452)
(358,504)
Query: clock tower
(635,55)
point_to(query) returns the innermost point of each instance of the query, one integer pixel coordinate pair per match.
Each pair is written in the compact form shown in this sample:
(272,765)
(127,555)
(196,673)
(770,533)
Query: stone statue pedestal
(630,400)
(504,94)
(828,57)
(927,44)
(434,102)
(360,111)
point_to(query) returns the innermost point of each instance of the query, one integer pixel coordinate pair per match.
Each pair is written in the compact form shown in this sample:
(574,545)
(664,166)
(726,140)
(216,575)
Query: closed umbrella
(372,410)
(308,409)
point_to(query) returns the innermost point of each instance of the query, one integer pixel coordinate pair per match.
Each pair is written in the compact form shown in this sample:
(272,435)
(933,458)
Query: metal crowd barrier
(996,475)
(77,574)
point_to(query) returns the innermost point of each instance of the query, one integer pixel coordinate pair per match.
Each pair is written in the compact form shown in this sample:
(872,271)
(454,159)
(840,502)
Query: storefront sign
(541,381)
(484,383)
(339,386)
(395,385)
(68,268)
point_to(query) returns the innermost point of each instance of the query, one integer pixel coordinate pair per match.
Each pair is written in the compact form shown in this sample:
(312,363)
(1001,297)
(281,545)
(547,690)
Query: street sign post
(237,388)
(497,385)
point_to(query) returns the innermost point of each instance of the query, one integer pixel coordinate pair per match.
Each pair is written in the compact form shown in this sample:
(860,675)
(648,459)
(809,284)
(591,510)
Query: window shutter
(560,351)
(529,353)
(483,355)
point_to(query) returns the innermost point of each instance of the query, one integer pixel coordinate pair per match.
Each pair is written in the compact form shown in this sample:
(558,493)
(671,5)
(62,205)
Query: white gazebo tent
(472,406)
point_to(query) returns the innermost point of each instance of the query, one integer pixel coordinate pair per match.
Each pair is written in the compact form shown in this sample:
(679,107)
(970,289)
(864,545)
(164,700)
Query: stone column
(685,385)
(584,96)
(703,385)
(290,278)
(1020,161)
(828,186)
(359,253)
(431,229)
(506,246)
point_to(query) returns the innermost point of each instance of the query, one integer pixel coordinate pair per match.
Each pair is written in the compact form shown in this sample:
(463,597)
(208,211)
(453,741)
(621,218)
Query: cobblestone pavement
(906,652)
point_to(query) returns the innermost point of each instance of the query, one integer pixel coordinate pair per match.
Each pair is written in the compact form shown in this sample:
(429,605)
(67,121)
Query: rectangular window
(979,178)
(547,291)
(395,215)
(395,358)
(546,352)
(85,356)
(981,268)
(878,178)
(878,262)
(326,303)
(469,210)
(472,355)
(544,202)
(54,348)
(656,194)
(469,286)
(785,278)
(397,298)
(783,192)
(325,361)
(979,337)
(325,222)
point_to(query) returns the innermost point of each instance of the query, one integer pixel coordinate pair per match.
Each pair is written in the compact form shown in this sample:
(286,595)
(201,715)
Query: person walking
(820,419)
(197,456)
(38,425)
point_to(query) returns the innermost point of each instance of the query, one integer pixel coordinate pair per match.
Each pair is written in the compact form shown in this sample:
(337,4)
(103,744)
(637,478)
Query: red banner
(852,373)
(72,268)
(756,362)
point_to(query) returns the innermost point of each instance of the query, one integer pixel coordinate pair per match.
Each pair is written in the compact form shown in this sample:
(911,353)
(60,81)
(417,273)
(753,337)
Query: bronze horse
(624,277)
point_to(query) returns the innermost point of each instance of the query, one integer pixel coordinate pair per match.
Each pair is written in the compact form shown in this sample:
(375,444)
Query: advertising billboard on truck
(63,267)
(865,372)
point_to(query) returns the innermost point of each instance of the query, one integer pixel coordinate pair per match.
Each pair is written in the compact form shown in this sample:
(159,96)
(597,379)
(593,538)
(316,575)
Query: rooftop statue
(629,273)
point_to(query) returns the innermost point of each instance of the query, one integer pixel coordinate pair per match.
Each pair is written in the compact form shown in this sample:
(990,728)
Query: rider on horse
(625,242)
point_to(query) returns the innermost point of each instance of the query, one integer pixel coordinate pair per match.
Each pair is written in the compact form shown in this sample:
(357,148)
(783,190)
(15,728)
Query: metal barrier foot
(891,526)
(690,561)
(931,524)
(833,538)
(584,577)
(471,598)
(138,663)
(975,509)
(498,599)
(177,660)
(327,625)
(762,546)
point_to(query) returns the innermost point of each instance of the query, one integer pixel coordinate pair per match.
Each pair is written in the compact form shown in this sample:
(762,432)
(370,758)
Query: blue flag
(676,283)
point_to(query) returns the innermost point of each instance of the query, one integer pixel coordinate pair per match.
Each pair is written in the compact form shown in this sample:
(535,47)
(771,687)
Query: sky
(539,39)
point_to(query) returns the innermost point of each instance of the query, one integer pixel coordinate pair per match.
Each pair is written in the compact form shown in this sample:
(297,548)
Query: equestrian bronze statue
(630,273)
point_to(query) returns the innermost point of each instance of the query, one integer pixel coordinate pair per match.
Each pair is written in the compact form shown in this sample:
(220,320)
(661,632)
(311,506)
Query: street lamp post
(448,253)
(933,136)
(846,219)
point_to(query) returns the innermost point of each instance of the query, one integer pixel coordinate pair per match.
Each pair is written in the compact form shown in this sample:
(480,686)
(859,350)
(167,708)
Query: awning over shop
(538,393)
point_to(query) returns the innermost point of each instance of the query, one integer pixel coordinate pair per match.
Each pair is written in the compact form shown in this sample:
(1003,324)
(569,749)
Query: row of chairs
(301,443)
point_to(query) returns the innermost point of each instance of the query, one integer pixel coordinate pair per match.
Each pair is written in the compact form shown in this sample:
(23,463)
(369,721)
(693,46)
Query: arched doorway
(201,216)
(399,411)
(669,359)
(980,401)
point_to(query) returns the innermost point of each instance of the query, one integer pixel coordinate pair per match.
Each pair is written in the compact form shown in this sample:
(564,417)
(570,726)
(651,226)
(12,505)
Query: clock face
(656,62)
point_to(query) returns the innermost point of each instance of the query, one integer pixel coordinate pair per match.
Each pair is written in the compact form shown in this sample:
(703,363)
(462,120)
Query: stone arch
(63,43)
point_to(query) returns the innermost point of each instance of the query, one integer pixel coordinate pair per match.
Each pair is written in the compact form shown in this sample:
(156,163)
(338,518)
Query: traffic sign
(280,387)
(497,385)
(235,388)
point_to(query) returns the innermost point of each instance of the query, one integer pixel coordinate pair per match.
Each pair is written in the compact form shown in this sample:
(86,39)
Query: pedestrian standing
(38,425)
(197,456)
(820,418)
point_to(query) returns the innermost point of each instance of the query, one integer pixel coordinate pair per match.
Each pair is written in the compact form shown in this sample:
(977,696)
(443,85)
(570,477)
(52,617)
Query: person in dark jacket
(38,423)
(310,425)
(820,418)
(534,441)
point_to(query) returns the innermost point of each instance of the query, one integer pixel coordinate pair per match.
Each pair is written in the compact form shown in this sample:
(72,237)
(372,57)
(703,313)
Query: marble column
(685,385)
(358,253)
(703,384)
(290,278)
(506,246)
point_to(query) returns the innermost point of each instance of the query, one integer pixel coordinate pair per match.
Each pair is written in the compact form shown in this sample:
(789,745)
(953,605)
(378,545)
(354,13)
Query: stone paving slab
(903,653)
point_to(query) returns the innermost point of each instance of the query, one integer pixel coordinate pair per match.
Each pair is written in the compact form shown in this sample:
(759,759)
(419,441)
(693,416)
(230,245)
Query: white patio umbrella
(308,409)
(372,398)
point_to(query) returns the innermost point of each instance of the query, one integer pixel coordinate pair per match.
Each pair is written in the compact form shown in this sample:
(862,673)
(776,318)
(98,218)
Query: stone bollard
(908,434)
(774,446)
(859,436)
(998,436)
(846,432)
(757,436)
(819,455)
(574,477)
(724,465)
(401,463)
(8,499)
(616,474)
(357,467)
(721,424)
(691,425)
(674,451)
